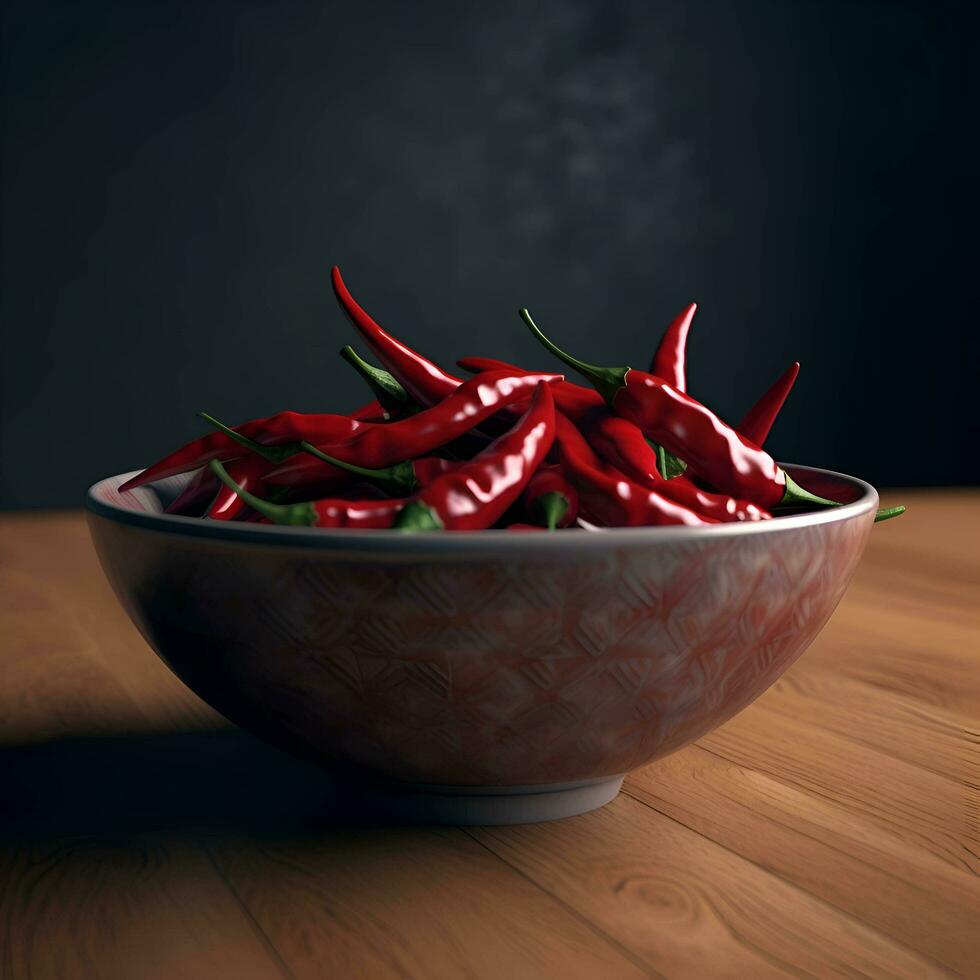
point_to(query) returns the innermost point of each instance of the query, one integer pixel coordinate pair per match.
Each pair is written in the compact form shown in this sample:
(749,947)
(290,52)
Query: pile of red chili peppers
(507,448)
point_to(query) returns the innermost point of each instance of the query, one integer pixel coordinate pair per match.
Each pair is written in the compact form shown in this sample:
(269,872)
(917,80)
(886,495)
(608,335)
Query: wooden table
(831,828)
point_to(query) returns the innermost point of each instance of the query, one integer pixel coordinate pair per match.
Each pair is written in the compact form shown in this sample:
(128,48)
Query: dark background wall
(177,178)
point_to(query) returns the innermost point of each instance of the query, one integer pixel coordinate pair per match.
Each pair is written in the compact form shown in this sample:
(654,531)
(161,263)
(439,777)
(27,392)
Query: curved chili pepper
(477,494)
(424,381)
(399,480)
(321,470)
(322,513)
(576,401)
(392,399)
(205,487)
(578,404)
(285,427)
(472,497)
(685,427)
(757,423)
(350,489)
(371,412)
(248,473)
(478,365)
(401,405)
(670,360)
(670,363)
(609,496)
(300,473)
(550,496)
(473,402)
(370,444)
(621,443)
(571,399)
(200,488)
(314,465)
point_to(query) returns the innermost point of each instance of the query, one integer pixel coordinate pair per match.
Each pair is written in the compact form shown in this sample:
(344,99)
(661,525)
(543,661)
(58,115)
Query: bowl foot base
(478,806)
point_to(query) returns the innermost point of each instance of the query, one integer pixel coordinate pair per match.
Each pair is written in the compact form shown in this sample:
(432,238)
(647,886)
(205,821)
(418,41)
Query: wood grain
(413,902)
(118,909)
(928,810)
(817,845)
(833,828)
(690,906)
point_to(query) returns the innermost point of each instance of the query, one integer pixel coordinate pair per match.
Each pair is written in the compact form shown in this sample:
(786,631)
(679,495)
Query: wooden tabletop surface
(832,828)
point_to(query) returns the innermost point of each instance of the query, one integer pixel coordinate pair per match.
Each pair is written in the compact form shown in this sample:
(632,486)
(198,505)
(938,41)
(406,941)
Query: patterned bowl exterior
(488,660)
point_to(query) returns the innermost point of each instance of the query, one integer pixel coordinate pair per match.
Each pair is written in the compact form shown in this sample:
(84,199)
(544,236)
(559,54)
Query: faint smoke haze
(177,179)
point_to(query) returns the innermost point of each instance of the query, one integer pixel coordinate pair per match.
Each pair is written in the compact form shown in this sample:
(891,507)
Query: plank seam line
(833,801)
(611,941)
(796,887)
(788,826)
(812,790)
(928,711)
(865,744)
(263,936)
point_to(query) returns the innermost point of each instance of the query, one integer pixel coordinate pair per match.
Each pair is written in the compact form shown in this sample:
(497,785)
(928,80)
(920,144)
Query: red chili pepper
(472,497)
(322,513)
(576,402)
(304,470)
(609,496)
(571,399)
(248,473)
(301,477)
(477,494)
(670,360)
(200,488)
(399,480)
(757,423)
(551,497)
(370,444)
(473,402)
(424,381)
(622,444)
(312,465)
(371,412)
(712,450)
(285,427)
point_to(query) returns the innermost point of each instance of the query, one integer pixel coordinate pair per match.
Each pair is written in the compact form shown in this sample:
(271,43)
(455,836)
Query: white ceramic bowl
(481,676)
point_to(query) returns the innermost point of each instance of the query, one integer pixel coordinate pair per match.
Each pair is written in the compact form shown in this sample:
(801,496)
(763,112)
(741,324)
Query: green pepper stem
(400,478)
(302,514)
(606,380)
(381,382)
(553,507)
(675,466)
(667,463)
(795,494)
(274,454)
(418,516)
(887,513)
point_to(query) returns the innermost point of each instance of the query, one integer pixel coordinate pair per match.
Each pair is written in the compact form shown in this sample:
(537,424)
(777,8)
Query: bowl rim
(488,541)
